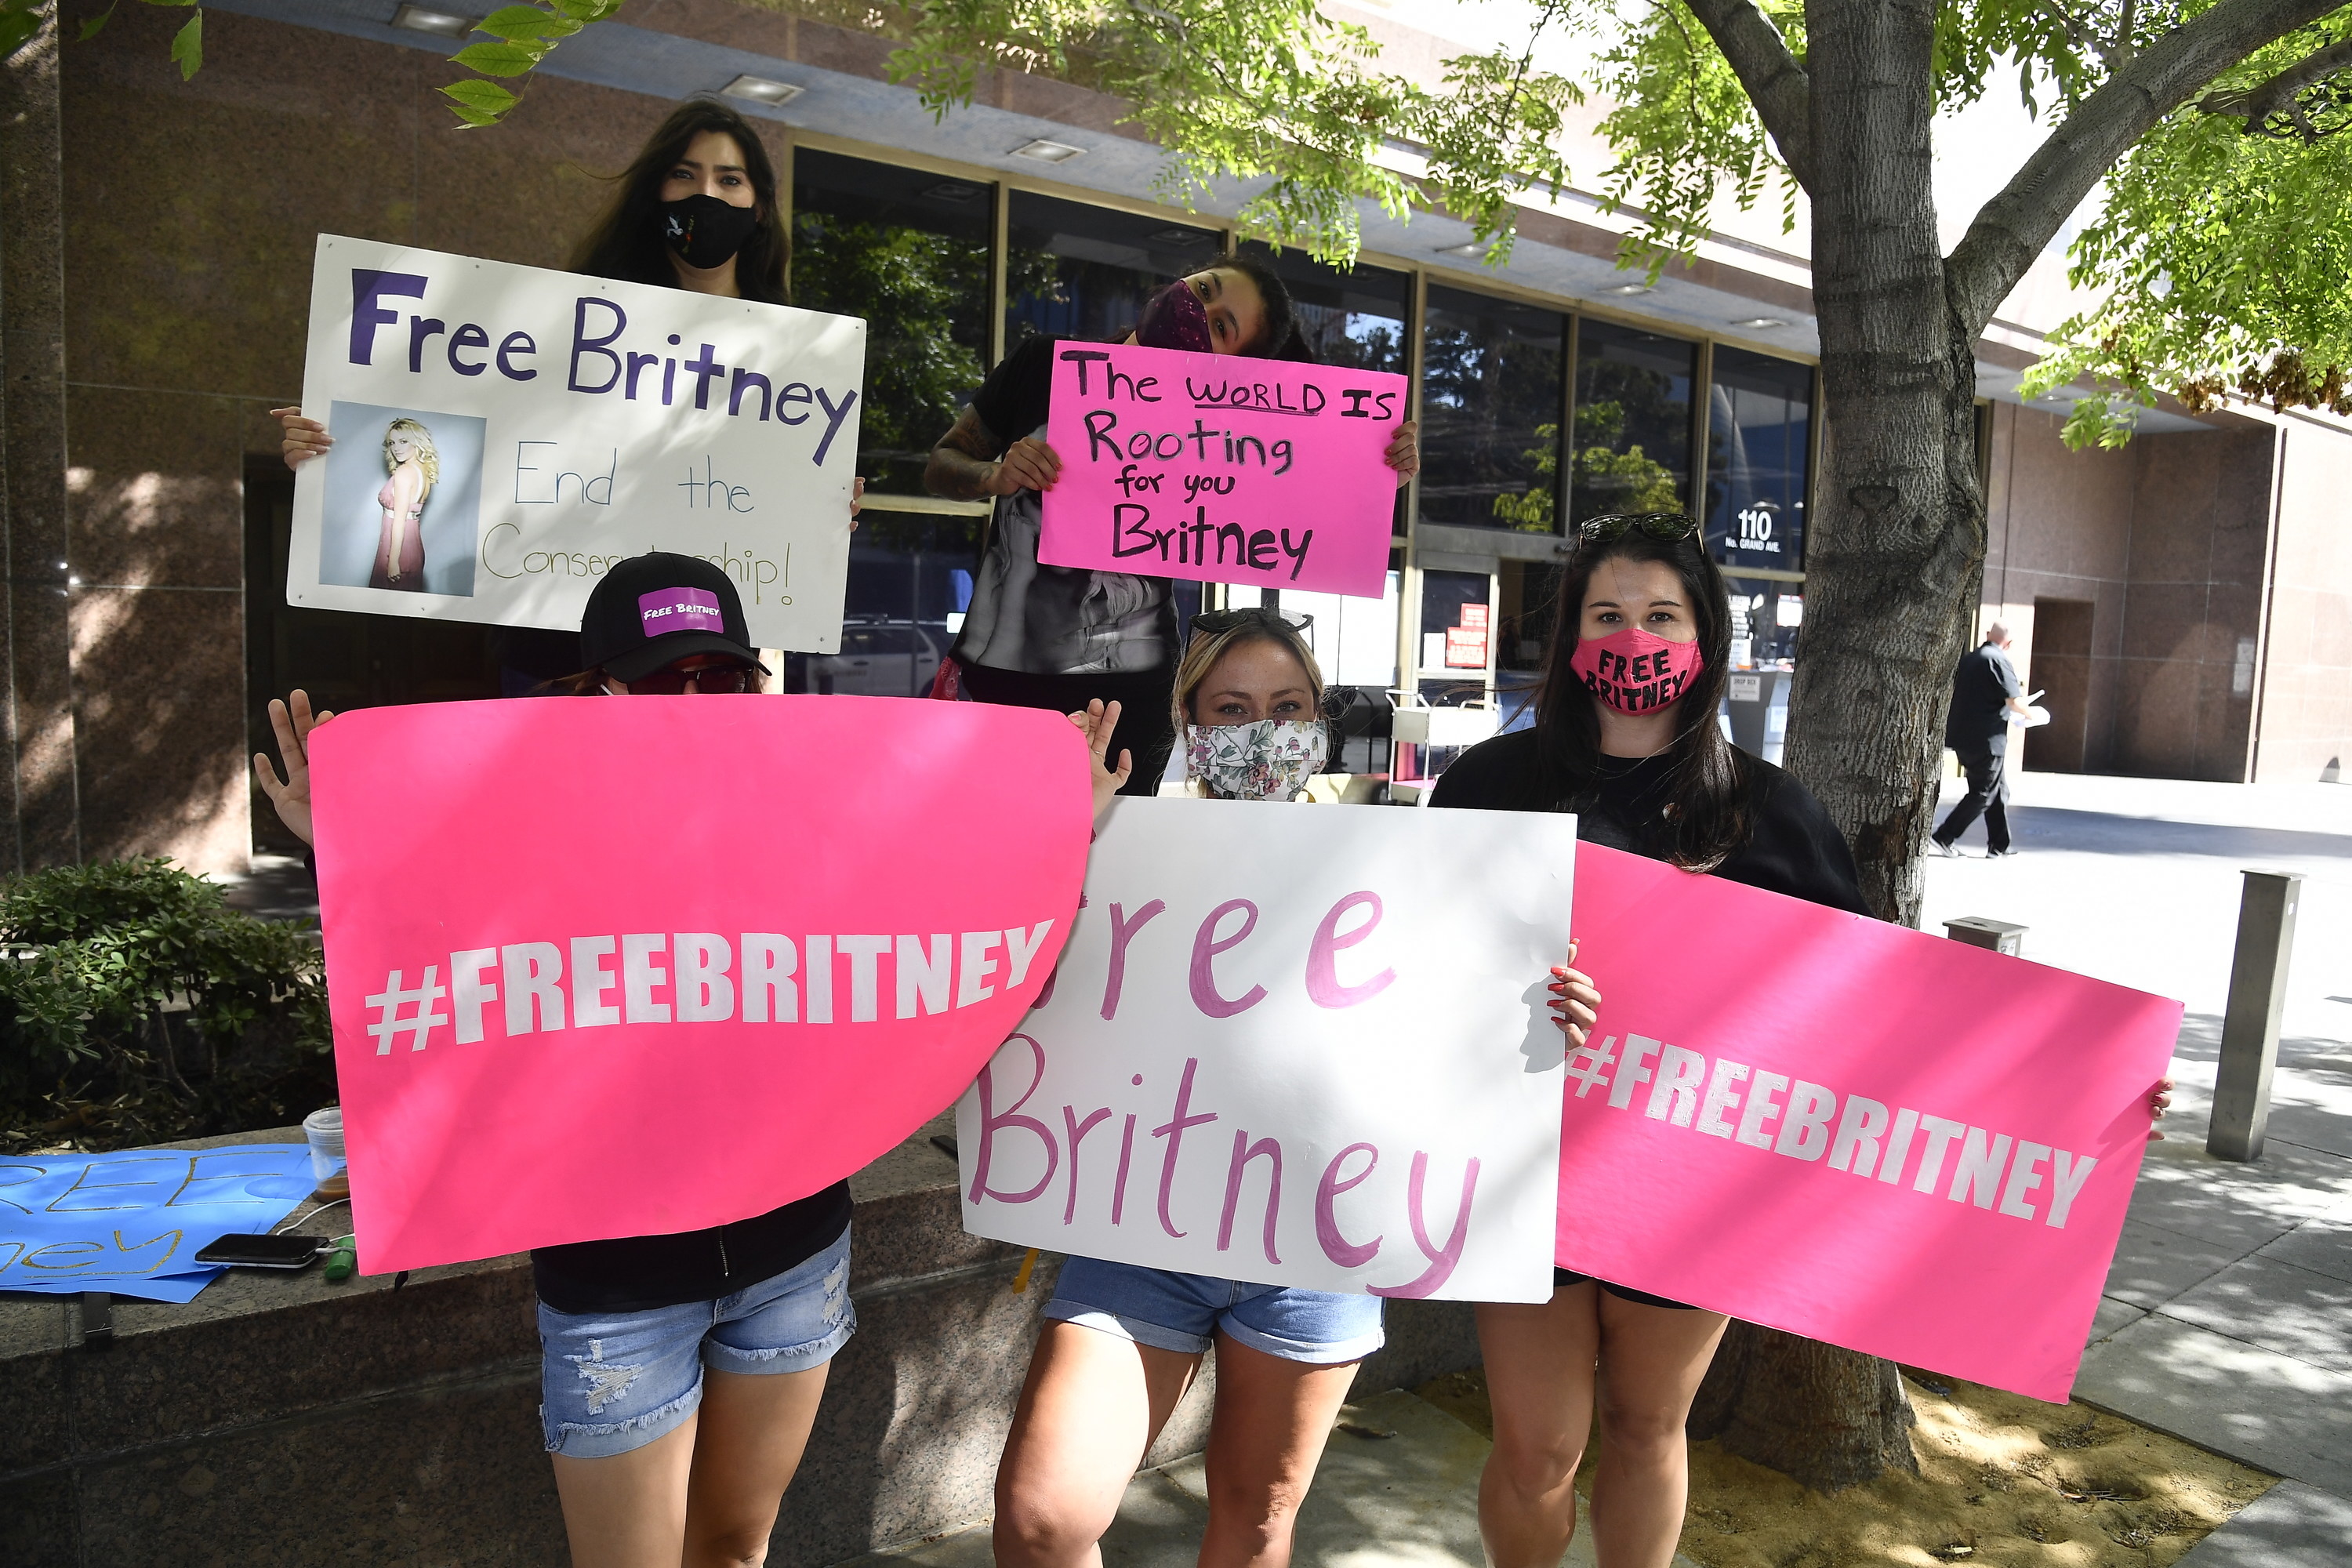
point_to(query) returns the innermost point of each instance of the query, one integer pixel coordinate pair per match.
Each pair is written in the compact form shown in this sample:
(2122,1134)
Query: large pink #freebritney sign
(1849,1129)
(630,967)
(1221,469)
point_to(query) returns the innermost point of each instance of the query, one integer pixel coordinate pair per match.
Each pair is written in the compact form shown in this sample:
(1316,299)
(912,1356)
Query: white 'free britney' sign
(504,434)
(1295,1046)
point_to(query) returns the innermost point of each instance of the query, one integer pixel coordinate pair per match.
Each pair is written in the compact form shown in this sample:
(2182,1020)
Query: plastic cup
(324,1129)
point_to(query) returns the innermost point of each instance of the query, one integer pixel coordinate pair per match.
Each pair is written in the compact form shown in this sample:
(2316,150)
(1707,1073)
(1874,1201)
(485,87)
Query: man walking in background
(1986,696)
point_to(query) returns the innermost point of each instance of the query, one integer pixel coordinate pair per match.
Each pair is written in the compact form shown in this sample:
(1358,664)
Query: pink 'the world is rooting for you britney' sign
(1221,469)
(628,968)
(1849,1129)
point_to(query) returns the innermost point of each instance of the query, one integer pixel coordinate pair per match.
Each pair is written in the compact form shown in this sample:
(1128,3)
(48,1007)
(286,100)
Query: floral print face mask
(1269,760)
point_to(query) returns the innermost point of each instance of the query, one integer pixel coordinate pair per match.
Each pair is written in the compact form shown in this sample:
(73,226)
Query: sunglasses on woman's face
(711,681)
(1666,527)
(1216,623)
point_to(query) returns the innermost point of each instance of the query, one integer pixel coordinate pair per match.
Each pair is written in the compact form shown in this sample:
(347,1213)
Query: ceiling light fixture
(952,191)
(425,19)
(1760,323)
(1472,249)
(1046,152)
(1181,237)
(1627,288)
(762,89)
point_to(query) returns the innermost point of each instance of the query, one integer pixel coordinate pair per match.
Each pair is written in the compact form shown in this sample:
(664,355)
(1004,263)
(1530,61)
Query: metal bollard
(2250,1028)
(1978,931)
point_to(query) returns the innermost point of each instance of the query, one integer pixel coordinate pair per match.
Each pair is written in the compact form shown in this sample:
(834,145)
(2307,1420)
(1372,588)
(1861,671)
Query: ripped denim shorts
(612,1382)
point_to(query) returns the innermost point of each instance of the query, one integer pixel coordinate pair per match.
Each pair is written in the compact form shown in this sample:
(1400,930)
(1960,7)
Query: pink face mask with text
(1635,671)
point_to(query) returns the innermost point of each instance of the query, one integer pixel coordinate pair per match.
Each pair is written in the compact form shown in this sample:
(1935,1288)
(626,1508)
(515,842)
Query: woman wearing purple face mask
(1059,637)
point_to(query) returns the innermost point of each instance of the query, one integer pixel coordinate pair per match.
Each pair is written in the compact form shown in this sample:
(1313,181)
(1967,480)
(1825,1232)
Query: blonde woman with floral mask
(1122,1342)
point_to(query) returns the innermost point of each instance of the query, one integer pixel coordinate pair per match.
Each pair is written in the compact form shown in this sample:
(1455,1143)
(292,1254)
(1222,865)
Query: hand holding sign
(1221,469)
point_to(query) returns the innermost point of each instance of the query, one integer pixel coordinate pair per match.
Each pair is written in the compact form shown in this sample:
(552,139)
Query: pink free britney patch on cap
(680,610)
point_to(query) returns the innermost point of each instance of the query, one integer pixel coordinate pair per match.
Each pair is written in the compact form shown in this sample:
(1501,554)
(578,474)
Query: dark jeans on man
(1987,798)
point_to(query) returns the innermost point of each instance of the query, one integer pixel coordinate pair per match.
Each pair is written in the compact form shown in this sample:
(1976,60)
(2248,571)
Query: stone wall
(286,1420)
(2306,722)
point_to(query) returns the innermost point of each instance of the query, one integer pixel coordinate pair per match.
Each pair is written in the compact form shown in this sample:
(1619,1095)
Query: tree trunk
(1896,556)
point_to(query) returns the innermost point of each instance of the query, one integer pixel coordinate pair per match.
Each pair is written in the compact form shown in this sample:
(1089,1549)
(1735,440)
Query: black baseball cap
(653,609)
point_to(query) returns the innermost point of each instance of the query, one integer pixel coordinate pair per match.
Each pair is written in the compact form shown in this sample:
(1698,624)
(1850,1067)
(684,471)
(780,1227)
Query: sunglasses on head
(1216,623)
(711,681)
(1666,527)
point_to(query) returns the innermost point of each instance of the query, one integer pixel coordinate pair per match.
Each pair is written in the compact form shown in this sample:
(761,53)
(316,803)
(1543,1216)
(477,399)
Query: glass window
(1759,453)
(1632,421)
(1766,615)
(1079,272)
(908,251)
(1490,404)
(1354,317)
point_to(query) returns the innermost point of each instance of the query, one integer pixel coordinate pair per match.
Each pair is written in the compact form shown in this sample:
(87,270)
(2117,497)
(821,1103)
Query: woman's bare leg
(1539,1373)
(1092,1403)
(1272,1419)
(1652,1359)
(755,1426)
(628,1510)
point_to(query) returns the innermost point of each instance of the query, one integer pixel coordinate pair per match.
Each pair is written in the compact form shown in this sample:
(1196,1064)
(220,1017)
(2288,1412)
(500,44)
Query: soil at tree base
(2002,1479)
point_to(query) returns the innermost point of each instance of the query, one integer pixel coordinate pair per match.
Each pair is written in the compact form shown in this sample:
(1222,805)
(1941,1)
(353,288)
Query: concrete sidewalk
(2227,1313)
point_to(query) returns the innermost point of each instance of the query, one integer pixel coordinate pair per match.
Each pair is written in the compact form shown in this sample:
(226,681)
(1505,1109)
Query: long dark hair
(626,242)
(1279,337)
(1706,781)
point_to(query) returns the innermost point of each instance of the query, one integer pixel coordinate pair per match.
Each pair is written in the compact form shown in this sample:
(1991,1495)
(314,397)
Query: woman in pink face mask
(1626,736)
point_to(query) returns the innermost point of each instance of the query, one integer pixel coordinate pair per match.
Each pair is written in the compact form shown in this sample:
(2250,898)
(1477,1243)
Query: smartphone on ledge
(263,1251)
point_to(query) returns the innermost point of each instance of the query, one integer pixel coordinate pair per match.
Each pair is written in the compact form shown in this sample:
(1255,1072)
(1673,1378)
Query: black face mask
(704,231)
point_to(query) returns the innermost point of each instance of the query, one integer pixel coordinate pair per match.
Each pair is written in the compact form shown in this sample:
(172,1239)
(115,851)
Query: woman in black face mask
(695,209)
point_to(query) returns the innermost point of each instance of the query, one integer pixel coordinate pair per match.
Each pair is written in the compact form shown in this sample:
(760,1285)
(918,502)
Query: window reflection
(1080,271)
(1766,616)
(1760,452)
(909,252)
(1490,413)
(1632,421)
(1354,317)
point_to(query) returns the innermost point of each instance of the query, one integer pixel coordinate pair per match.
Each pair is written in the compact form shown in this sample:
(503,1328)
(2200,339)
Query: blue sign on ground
(97,1222)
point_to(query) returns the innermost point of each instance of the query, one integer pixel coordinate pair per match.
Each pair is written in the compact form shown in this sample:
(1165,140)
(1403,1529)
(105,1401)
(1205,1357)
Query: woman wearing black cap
(679,1373)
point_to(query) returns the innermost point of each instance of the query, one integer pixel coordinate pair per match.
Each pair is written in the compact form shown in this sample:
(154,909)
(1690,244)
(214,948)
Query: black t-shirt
(1793,847)
(1978,719)
(638,1273)
(1052,620)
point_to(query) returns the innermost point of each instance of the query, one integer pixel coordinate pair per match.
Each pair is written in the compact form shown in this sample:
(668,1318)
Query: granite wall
(191,210)
(2168,544)
(2304,728)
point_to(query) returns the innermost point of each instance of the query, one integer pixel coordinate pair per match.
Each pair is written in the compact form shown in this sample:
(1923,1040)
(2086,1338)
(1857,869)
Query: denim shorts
(611,1382)
(1184,1312)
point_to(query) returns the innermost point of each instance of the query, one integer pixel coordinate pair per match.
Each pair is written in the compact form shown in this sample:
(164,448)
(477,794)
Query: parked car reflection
(881,659)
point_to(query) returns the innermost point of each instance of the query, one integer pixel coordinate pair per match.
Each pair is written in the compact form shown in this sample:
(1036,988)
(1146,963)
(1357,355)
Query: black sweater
(1792,847)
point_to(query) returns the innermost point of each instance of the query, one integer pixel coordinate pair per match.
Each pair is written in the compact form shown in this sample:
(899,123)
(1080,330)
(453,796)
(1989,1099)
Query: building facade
(2186,602)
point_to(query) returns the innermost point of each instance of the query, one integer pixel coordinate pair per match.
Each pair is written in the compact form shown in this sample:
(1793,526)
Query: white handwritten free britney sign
(519,430)
(1294,1046)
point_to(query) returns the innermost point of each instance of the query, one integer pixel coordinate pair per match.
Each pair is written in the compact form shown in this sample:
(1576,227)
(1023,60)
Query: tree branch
(2258,106)
(1777,85)
(2013,227)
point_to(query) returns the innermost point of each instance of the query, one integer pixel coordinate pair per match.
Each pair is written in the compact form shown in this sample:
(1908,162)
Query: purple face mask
(1174,319)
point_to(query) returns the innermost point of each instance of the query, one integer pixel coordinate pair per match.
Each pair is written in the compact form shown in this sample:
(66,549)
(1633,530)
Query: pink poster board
(624,968)
(1221,469)
(1847,1130)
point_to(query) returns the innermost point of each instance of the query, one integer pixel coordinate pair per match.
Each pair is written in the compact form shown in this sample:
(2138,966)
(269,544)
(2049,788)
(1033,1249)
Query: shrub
(136,1005)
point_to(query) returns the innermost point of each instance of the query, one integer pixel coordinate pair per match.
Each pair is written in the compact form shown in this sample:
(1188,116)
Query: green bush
(136,1005)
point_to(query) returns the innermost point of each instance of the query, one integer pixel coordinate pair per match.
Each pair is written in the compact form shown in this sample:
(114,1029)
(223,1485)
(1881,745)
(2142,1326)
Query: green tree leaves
(525,34)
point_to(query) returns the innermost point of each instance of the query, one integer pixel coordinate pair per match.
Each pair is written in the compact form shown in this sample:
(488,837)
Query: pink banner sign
(626,968)
(1221,468)
(1848,1130)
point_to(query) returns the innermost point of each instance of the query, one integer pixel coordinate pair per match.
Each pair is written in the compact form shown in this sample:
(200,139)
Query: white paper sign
(504,434)
(1294,1046)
